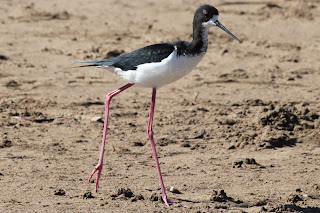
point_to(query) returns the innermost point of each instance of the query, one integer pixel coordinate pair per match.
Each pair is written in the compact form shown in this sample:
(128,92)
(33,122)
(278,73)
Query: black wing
(130,61)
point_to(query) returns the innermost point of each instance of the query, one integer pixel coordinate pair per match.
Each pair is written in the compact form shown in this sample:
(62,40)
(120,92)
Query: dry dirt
(238,134)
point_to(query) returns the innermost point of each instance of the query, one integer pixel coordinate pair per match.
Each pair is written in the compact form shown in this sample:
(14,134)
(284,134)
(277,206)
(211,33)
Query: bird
(153,67)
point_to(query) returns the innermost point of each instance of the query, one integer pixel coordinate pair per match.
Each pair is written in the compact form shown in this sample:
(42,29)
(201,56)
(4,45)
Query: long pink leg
(150,133)
(100,163)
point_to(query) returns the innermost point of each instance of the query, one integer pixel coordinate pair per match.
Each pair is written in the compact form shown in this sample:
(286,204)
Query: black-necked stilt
(155,66)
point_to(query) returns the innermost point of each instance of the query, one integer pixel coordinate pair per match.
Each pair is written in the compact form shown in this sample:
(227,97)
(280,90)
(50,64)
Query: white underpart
(158,74)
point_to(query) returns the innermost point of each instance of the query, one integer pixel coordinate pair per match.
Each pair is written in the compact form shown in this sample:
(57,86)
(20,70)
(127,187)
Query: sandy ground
(238,134)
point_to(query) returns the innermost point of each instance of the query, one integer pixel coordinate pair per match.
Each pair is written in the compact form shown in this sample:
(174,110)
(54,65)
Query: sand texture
(241,133)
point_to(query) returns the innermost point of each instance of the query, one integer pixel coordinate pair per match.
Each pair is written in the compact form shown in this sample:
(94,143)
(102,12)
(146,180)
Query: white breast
(158,74)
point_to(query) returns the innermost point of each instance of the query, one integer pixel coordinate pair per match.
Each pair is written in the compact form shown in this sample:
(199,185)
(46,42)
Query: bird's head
(207,16)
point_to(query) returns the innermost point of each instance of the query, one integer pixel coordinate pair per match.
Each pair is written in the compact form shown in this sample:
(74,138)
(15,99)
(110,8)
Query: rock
(96,119)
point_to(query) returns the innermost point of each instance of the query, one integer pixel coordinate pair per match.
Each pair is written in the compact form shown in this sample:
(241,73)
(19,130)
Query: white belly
(158,74)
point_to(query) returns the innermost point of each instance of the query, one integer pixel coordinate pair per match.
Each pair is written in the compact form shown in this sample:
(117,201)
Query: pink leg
(100,163)
(150,133)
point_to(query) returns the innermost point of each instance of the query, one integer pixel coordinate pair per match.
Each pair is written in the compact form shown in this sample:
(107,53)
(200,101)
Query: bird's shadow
(184,200)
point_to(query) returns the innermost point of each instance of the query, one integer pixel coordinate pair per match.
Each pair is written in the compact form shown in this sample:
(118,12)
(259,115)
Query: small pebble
(96,118)
(174,190)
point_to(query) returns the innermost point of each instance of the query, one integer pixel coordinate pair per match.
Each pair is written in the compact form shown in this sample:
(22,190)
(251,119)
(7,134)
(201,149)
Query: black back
(148,54)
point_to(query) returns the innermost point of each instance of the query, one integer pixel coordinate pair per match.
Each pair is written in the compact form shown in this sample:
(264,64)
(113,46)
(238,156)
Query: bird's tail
(88,65)
(96,63)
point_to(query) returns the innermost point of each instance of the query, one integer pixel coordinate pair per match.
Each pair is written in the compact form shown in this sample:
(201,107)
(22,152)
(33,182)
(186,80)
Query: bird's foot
(99,169)
(167,201)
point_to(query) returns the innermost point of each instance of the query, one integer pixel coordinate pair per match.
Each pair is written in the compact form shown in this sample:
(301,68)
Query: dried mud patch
(25,110)
(268,124)
(31,14)
(299,10)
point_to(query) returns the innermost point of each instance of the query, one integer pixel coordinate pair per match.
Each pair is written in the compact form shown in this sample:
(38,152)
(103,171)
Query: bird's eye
(205,12)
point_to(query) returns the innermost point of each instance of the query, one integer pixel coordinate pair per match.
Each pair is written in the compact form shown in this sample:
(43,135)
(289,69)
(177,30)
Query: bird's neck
(199,43)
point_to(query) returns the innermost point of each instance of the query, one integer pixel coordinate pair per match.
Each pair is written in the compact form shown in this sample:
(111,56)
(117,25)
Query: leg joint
(109,97)
(150,132)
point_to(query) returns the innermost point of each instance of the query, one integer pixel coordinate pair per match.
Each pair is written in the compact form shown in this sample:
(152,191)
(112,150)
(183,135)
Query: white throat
(211,22)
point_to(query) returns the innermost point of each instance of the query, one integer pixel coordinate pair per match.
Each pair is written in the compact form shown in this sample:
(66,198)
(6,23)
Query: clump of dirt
(125,194)
(268,124)
(12,84)
(60,192)
(137,197)
(271,138)
(281,124)
(5,143)
(3,57)
(282,118)
(294,198)
(114,53)
(88,195)
(222,197)
(235,75)
(247,161)
(155,197)
(257,102)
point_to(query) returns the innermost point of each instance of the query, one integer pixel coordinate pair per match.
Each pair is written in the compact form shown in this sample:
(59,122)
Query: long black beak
(218,24)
